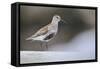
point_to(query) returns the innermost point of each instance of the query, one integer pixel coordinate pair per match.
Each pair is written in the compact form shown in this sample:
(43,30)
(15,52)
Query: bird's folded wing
(42,31)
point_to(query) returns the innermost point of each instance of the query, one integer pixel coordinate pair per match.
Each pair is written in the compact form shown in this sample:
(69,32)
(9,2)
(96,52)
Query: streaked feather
(40,32)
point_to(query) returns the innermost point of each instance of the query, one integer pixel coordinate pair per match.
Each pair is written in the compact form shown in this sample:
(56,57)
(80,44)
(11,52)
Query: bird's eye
(57,17)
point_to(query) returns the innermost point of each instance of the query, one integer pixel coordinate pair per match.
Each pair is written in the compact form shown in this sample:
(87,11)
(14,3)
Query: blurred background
(68,38)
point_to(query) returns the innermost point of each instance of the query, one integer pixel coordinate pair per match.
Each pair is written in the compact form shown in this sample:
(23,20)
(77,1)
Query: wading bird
(48,32)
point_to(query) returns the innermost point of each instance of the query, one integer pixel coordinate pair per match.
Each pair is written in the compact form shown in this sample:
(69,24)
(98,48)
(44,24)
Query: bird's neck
(54,22)
(54,25)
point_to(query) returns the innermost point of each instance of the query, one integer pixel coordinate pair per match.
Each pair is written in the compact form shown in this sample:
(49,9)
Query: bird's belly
(54,30)
(49,37)
(39,38)
(45,37)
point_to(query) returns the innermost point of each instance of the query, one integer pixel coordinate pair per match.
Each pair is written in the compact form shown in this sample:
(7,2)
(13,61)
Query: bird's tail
(30,38)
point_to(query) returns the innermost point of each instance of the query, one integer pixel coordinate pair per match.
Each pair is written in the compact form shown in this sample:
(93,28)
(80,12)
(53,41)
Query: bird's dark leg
(46,45)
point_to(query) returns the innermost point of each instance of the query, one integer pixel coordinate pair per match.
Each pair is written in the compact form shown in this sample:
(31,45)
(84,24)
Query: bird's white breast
(53,28)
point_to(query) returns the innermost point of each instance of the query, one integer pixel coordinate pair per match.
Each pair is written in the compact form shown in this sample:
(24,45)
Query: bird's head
(57,18)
